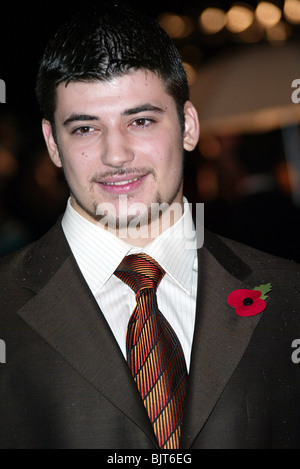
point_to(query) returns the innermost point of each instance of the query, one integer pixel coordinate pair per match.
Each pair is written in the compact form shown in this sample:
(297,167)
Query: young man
(119,333)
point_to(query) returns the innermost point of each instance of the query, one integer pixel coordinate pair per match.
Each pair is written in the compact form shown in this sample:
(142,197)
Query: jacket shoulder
(225,248)
(257,267)
(32,264)
(260,259)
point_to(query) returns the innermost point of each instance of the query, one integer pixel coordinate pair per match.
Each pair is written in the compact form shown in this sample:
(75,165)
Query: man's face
(120,138)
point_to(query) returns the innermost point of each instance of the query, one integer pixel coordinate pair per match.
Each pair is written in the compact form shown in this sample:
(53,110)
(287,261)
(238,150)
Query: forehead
(116,94)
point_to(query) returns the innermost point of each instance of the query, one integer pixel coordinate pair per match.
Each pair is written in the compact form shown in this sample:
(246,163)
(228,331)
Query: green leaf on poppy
(264,289)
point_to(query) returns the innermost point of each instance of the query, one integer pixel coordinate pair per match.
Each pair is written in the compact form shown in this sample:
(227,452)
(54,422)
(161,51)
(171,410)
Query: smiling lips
(120,183)
(121,186)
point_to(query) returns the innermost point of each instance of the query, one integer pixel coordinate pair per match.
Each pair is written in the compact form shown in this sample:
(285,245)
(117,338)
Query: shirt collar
(175,249)
(98,252)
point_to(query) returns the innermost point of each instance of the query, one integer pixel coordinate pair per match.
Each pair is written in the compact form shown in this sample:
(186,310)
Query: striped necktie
(154,353)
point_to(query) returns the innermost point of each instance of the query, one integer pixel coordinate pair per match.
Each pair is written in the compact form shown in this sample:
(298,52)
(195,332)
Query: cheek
(76,162)
(77,172)
(166,151)
(173,159)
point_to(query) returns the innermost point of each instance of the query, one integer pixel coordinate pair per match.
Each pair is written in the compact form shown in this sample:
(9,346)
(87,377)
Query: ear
(51,143)
(191,127)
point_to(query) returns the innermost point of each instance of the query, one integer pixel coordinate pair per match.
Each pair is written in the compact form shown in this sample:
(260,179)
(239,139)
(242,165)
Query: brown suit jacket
(65,383)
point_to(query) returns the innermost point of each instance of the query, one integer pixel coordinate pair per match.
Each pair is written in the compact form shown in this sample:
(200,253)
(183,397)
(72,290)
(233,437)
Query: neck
(138,232)
(141,234)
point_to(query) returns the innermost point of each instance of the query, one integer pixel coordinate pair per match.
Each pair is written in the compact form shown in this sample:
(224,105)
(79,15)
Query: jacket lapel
(66,315)
(220,337)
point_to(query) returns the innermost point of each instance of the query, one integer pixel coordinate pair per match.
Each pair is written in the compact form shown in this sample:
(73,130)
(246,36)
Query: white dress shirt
(98,253)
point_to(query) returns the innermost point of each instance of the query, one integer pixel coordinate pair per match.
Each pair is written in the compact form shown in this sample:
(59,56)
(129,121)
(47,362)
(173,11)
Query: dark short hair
(109,42)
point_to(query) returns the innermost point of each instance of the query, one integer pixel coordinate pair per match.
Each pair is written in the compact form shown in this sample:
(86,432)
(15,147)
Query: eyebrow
(142,108)
(126,112)
(80,117)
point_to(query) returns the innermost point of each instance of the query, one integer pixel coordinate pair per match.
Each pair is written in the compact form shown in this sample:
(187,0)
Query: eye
(83,130)
(142,122)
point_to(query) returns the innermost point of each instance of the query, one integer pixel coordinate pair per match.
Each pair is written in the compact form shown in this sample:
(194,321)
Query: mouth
(119,185)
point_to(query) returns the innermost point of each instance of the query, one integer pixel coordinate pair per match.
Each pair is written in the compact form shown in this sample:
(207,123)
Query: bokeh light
(239,18)
(268,14)
(212,20)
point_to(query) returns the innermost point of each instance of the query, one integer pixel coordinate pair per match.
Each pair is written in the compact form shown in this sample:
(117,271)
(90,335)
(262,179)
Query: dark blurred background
(241,60)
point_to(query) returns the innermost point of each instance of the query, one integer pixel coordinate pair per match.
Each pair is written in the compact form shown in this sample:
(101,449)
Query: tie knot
(140,271)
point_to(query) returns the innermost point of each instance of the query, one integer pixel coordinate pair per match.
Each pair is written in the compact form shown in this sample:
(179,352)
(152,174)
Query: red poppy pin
(249,302)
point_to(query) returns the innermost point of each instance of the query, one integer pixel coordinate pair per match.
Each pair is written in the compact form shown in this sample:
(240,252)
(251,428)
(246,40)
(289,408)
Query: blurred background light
(212,20)
(8,163)
(239,18)
(291,11)
(278,33)
(207,184)
(190,73)
(253,34)
(176,26)
(210,147)
(268,14)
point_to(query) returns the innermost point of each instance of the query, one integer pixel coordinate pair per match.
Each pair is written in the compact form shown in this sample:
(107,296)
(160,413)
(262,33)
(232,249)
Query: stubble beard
(123,222)
(153,212)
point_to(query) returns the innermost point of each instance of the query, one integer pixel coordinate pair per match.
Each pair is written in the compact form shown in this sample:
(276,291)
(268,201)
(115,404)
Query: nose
(117,150)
